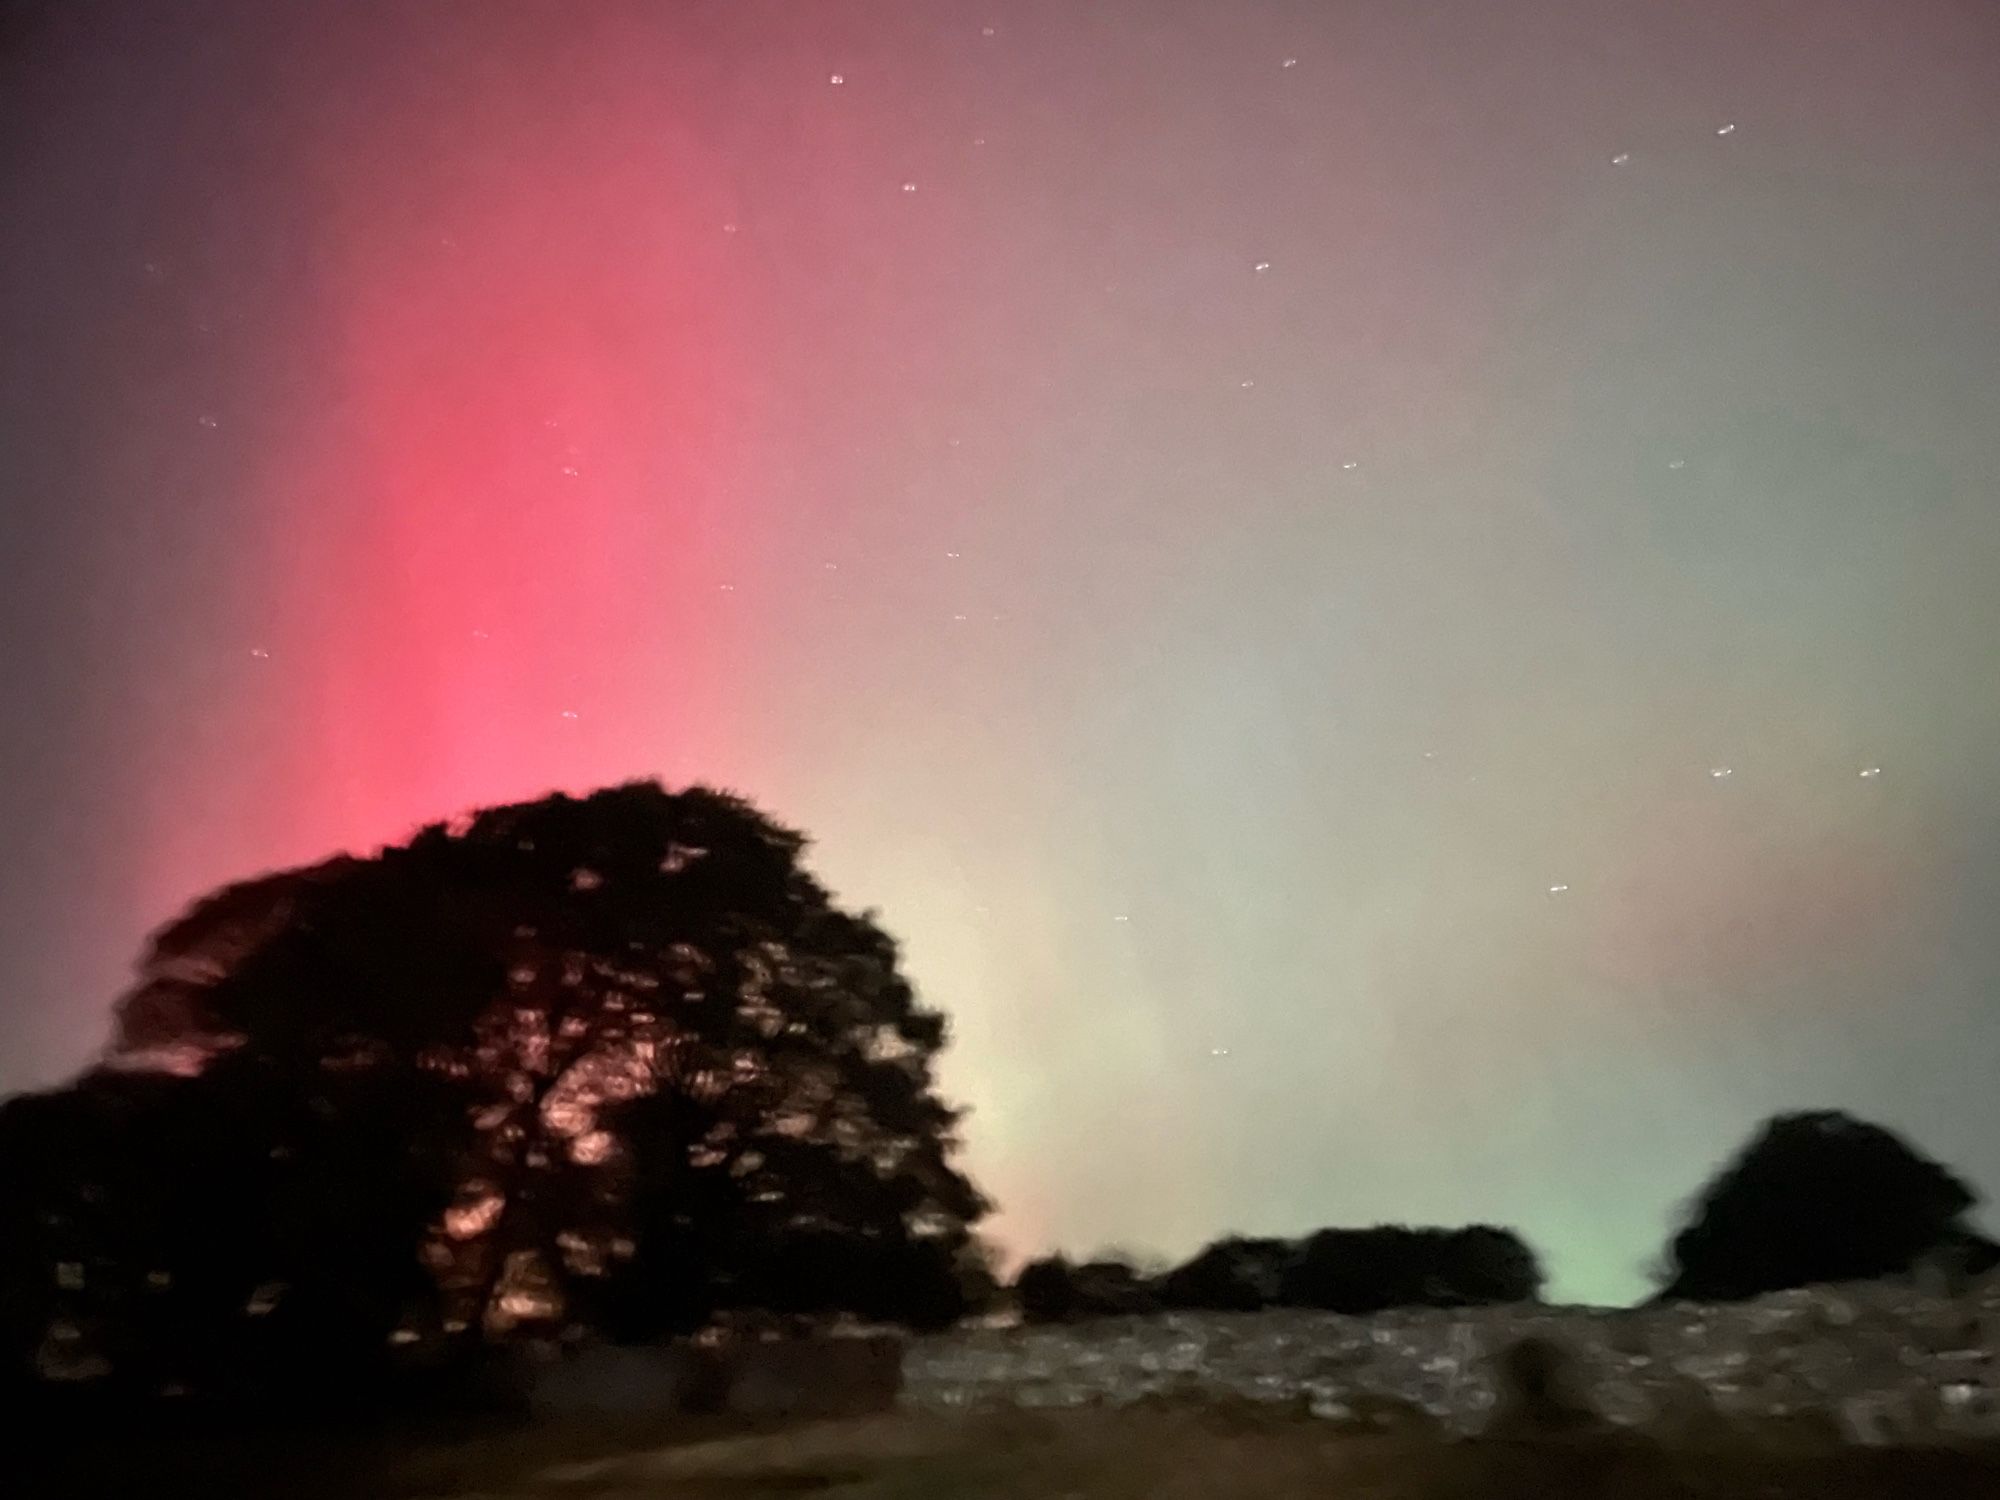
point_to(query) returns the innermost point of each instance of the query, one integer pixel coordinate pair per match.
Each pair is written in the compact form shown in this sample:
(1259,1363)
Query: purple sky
(1396,602)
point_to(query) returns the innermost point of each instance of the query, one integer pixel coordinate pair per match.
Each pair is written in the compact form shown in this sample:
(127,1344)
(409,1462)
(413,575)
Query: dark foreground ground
(1161,1454)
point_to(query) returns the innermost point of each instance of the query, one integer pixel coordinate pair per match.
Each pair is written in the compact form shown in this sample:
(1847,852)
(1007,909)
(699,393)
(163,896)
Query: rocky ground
(1867,1393)
(1871,1365)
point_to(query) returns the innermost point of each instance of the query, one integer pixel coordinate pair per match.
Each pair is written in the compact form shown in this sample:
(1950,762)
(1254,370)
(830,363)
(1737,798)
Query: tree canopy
(1235,1274)
(616,1061)
(1340,1270)
(1367,1270)
(1819,1197)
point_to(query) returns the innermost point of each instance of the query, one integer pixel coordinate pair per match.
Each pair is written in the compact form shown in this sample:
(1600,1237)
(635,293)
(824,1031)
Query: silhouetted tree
(1354,1270)
(1484,1265)
(1108,1287)
(211,1232)
(980,1292)
(1367,1270)
(1341,1270)
(1055,1290)
(810,1229)
(1235,1274)
(615,1060)
(1818,1197)
(1045,1290)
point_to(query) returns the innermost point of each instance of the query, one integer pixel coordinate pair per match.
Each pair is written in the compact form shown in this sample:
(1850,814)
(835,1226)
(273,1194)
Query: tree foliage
(1235,1274)
(1056,1290)
(1819,1197)
(1367,1270)
(1045,1290)
(1341,1270)
(615,1061)
(202,1232)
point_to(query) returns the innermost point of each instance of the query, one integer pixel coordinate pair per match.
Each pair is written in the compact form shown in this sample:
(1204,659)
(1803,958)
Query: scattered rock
(1867,1363)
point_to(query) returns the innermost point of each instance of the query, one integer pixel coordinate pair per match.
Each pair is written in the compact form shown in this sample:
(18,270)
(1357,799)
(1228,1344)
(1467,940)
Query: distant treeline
(1340,1270)
(1812,1198)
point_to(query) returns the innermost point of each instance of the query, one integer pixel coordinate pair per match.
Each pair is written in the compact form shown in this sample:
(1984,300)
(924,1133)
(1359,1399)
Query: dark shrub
(1815,1198)
(1232,1275)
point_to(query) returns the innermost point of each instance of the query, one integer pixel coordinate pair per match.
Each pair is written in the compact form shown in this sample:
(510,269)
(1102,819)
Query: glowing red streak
(485,540)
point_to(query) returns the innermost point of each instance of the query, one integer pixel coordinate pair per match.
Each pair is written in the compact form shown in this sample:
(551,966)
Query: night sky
(1399,603)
